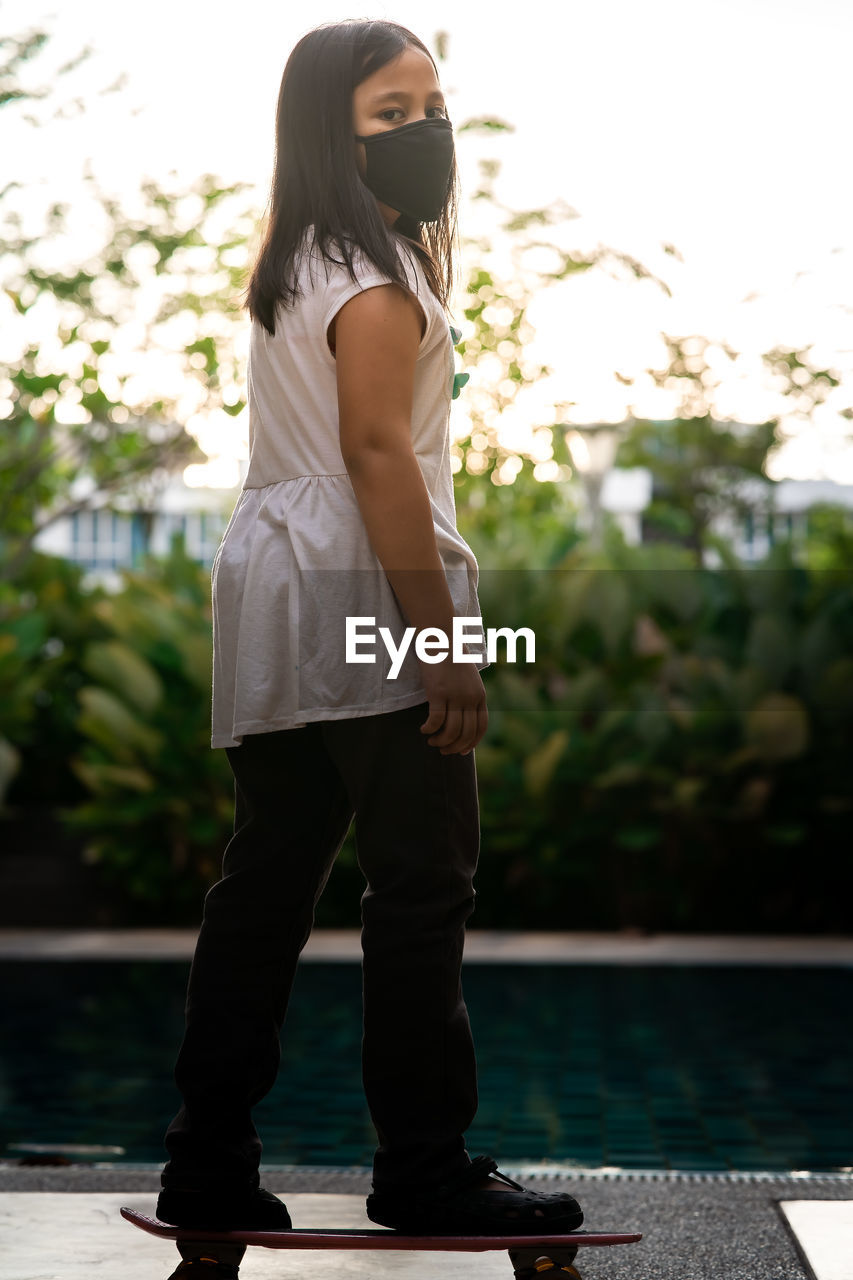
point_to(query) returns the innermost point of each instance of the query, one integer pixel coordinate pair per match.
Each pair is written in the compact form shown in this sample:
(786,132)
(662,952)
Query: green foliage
(676,751)
(673,756)
(698,465)
(160,802)
(828,544)
(15,51)
(85,414)
(529,523)
(496,304)
(45,618)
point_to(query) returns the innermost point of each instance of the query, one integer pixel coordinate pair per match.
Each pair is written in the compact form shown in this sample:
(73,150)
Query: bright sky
(720,127)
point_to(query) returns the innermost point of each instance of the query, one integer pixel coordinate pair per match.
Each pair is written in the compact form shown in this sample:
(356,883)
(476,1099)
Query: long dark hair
(316,178)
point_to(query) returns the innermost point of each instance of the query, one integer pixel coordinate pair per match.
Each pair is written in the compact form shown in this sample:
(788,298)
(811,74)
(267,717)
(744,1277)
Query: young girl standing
(346,512)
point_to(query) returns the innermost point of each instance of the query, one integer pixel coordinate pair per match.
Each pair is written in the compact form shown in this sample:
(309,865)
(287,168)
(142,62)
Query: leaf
(778,727)
(459,380)
(105,779)
(624,774)
(771,646)
(10,763)
(19,306)
(834,694)
(538,768)
(127,672)
(786,833)
(491,761)
(608,606)
(637,837)
(648,638)
(687,791)
(111,724)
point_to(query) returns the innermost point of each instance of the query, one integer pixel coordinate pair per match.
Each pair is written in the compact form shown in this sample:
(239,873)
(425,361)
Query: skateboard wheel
(531,1264)
(214,1254)
(204,1267)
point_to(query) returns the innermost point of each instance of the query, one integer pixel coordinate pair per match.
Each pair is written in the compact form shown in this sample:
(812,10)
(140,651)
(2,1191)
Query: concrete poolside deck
(692,1230)
(481,946)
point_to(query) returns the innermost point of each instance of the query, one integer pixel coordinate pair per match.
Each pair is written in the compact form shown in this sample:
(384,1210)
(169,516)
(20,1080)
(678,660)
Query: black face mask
(409,168)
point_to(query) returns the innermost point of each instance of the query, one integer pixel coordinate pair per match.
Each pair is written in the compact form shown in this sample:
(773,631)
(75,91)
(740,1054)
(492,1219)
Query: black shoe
(460,1207)
(204,1269)
(258,1210)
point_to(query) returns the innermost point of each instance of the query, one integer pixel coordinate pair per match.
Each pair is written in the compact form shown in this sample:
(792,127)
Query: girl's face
(404,90)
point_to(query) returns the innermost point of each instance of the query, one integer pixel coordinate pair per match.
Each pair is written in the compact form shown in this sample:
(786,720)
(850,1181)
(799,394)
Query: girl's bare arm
(377,334)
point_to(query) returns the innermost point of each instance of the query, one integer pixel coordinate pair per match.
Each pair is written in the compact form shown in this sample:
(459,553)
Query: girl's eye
(390,111)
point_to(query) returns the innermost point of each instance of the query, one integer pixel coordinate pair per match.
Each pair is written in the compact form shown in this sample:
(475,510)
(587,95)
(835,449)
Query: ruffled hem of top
(294,563)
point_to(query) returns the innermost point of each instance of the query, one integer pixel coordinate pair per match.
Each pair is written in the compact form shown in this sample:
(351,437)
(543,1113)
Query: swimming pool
(685,1067)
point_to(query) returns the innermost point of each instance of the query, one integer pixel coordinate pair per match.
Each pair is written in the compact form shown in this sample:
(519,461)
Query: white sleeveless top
(295,559)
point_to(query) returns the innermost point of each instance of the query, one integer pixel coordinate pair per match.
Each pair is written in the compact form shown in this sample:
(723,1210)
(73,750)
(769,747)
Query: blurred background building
(106,539)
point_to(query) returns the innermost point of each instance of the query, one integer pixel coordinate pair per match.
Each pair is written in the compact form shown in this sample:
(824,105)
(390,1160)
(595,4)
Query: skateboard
(530,1255)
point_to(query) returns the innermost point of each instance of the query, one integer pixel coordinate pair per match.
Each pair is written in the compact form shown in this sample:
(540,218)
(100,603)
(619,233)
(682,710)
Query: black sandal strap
(479,1168)
(516,1185)
(476,1171)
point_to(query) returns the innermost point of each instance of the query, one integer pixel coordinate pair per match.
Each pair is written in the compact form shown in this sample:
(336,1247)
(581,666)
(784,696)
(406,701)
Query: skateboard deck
(381,1238)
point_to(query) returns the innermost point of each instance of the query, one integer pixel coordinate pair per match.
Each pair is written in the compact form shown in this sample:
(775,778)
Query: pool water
(642,1067)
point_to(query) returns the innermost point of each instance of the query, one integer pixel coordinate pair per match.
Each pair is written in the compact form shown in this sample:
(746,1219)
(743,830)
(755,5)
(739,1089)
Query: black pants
(417,835)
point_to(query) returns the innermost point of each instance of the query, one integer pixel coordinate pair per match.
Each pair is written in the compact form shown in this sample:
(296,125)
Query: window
(101,539)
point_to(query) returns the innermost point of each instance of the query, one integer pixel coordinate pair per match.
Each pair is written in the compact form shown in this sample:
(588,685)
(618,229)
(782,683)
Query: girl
(347,512)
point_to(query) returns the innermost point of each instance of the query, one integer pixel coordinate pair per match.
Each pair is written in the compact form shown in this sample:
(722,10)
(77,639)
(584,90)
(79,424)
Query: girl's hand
(458,717)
